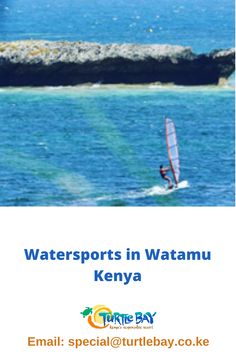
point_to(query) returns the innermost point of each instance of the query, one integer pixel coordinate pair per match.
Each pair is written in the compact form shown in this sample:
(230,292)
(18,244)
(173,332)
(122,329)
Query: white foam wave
(97,85)
(149,192)
(159,190)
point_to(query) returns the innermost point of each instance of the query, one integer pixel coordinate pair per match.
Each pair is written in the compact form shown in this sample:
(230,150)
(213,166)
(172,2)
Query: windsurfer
(163,173)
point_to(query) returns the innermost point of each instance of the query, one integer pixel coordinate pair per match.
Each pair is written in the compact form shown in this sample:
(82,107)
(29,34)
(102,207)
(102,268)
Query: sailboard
(172,149)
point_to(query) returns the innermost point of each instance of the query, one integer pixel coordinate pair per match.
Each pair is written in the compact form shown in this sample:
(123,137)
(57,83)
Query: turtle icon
(87,311)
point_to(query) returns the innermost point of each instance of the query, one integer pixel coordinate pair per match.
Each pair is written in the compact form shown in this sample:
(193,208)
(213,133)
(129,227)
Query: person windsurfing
(163,173)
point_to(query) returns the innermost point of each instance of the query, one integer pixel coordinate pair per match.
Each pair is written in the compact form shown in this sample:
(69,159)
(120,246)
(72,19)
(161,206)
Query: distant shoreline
(119,87)
(49,63)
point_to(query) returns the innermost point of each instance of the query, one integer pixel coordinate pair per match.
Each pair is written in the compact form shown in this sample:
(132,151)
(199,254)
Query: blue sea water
(201,24)
(102,145)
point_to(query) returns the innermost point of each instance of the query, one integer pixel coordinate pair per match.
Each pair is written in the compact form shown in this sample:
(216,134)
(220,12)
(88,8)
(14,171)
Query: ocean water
(202,24)
(102,145)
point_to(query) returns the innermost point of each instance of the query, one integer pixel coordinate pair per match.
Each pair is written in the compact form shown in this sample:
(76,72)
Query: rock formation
(40,63)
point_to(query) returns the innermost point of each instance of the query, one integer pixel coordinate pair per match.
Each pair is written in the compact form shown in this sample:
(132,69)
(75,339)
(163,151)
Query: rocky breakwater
(39,63)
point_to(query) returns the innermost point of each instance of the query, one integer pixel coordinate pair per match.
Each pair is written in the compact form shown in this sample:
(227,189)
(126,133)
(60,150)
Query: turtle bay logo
(95,316)
(101,316)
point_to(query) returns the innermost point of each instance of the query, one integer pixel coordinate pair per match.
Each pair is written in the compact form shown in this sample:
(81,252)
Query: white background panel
(44,299)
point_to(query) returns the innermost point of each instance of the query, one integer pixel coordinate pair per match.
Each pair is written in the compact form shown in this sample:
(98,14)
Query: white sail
(172,148)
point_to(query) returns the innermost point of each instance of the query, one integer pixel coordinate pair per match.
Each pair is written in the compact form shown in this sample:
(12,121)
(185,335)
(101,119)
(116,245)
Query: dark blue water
(103,145)
(201,24)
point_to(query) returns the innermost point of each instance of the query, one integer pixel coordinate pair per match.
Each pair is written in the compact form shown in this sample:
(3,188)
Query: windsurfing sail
(172,148)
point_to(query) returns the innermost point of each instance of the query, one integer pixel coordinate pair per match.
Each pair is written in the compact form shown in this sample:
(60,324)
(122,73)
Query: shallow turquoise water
(103,146)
